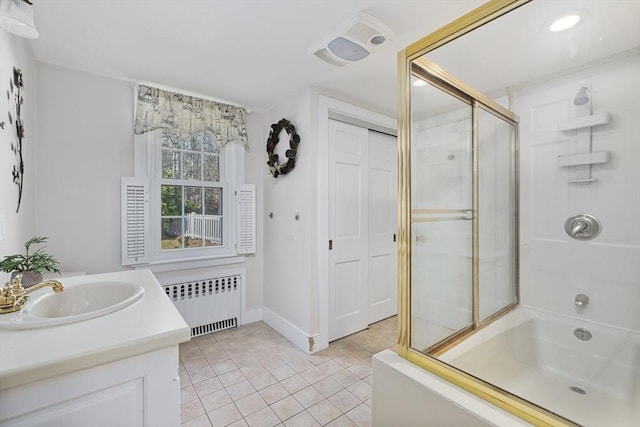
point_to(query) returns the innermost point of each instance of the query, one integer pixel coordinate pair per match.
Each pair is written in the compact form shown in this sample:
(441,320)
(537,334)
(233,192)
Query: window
(187,201)
(191,194)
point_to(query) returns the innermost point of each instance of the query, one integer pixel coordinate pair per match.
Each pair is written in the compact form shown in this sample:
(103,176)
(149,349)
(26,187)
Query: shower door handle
(430,215)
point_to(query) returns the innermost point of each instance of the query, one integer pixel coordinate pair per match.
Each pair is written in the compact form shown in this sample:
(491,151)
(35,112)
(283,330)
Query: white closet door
(383,225)
(348,229)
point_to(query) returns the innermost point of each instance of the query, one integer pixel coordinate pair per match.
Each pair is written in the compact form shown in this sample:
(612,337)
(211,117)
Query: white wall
(85,123)
(254,174)
(555,267)
(288,258)
(17,227)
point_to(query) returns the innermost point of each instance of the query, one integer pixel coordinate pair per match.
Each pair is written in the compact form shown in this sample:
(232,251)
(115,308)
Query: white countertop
(149,324)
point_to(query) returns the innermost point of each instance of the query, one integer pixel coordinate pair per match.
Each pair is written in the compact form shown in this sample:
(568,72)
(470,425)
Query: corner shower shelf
(585,122)
(584,159)
(582,180)
(582,162)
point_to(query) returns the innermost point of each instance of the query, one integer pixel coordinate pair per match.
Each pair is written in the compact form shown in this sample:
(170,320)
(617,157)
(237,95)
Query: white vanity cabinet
(116,370)
(143,390)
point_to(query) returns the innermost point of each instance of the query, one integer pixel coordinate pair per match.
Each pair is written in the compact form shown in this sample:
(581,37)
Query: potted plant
(30,265)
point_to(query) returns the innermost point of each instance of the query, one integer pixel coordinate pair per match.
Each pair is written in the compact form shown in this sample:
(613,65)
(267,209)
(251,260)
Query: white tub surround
(581,370)
(126,359)
(412,396)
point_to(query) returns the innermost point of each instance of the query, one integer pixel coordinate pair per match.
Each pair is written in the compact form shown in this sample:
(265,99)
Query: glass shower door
(463,210)
(497,212)
(441,213)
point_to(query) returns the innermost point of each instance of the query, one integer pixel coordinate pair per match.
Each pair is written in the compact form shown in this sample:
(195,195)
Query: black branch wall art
(15,99)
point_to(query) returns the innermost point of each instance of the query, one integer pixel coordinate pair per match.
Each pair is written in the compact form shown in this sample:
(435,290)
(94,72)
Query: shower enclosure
(463,210)
(520,198)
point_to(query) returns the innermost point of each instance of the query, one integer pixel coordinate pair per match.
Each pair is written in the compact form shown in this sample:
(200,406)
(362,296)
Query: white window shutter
(246,219)
(135,221)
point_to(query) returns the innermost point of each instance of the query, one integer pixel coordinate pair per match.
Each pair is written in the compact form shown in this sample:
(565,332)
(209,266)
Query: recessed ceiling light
(566,21)
(419,83)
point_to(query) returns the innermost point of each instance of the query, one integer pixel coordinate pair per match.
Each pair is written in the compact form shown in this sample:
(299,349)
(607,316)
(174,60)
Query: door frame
(326,106)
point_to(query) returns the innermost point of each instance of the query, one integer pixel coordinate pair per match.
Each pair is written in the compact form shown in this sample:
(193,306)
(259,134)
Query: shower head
(582,97)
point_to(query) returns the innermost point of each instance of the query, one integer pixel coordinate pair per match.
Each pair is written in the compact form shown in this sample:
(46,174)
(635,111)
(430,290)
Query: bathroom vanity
(120,368)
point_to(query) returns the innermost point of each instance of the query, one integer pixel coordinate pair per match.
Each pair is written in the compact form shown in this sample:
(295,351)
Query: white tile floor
(253,376)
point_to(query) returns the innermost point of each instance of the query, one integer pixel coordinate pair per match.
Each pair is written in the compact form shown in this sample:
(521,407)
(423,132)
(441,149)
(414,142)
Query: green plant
(38,261)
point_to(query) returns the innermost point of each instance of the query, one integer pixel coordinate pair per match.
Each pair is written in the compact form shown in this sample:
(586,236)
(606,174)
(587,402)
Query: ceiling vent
(354,40)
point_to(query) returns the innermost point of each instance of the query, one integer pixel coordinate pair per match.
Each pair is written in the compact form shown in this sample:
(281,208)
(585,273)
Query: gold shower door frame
(431,73)
(412,63)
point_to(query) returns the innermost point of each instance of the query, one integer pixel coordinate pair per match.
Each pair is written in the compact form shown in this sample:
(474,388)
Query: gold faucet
(13,296)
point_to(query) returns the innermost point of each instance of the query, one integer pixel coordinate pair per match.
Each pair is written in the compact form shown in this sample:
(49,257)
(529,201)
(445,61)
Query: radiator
(208,305)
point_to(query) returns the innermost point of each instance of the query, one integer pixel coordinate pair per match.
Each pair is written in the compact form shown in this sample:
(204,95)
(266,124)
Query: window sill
(177,264)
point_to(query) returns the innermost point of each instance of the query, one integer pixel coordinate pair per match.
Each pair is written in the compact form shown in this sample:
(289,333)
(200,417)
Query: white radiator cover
(208,305)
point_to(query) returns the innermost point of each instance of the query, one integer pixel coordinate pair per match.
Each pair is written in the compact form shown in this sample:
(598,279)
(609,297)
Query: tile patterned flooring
(253,376)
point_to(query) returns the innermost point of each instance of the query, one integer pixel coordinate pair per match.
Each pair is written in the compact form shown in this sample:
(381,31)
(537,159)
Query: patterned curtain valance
(184,115)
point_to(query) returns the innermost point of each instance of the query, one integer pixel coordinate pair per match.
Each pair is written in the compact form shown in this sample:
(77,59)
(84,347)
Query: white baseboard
(288,329)
(251,315)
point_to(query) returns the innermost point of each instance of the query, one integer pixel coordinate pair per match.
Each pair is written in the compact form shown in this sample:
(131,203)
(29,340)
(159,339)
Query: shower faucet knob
(582,227)
(581,300)
(578,227)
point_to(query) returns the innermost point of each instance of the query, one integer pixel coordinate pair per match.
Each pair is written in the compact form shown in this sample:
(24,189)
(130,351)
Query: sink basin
(74,304)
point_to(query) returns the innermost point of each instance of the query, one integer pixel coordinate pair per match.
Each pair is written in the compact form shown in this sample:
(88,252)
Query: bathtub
(537,356)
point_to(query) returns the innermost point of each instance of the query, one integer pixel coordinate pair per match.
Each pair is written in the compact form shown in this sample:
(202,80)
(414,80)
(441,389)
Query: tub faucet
(13,295)
(581,300)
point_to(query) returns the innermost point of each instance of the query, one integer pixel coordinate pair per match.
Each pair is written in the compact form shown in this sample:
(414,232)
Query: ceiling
(250,52)
(517,49)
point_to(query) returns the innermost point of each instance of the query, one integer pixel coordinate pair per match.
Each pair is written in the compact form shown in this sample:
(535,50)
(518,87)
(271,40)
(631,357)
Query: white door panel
(383,202)
(362,227)
(349,302)
(348,181)
(348,227)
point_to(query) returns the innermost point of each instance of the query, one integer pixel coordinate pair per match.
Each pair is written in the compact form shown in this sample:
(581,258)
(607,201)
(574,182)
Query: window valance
(184,115)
